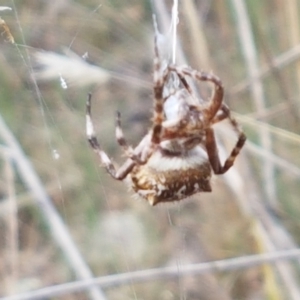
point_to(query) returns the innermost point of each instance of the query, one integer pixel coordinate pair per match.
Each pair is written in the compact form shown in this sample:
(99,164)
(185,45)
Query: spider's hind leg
(211,145)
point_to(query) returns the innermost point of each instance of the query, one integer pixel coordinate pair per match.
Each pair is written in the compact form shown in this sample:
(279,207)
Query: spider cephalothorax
(176,158)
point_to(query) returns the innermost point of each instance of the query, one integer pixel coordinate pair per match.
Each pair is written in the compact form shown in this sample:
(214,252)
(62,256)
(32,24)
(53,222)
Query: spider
(175,159)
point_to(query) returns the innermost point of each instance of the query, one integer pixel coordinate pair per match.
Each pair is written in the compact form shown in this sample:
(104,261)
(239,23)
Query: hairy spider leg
(216,100)
(104,159)
(185,84)
(159,78)
(216,104)
(211,145)
(223,113)
(160,74)
(226,114)
(129,151)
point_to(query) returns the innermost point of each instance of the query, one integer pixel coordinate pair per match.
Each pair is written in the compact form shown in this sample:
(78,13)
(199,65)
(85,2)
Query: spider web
(63,219)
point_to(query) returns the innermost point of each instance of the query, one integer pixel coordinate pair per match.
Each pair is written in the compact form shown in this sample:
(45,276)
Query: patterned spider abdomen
(166,178)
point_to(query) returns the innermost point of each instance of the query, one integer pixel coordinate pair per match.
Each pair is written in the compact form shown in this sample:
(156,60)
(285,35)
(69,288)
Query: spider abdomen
(171,178)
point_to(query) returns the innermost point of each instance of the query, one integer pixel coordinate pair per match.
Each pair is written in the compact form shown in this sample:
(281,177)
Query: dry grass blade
(70,67)
(252,64)
(257,91)
(57,227)
(292,11)
(11,218)
(231,264)
(279,62)
(276,160)
(200,48)
(5,8)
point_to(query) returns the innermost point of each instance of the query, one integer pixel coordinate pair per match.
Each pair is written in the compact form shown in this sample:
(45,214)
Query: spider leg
(223,113)
(211,145)
(159,78)
(160,74)
(216,100)
(104,159)
(123,143)
(185,83)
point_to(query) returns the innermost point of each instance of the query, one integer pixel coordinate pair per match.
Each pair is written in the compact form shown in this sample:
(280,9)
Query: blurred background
(63,218)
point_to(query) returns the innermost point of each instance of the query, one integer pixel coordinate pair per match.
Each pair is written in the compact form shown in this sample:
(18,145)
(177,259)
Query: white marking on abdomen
(195,157)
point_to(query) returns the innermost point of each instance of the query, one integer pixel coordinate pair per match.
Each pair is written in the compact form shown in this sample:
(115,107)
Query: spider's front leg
(160,74)
(211,145)
(119,174)
(216,99)
(123,143)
